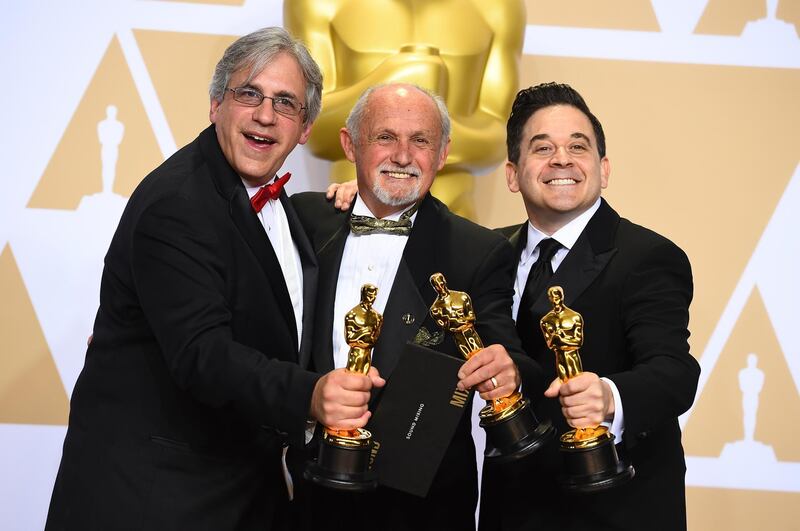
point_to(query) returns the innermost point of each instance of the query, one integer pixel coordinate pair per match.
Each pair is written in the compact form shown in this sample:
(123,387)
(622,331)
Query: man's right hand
(342,194)
(340,398)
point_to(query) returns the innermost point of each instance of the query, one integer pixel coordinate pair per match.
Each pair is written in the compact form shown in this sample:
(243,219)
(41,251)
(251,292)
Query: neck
(550,224)
(381,210)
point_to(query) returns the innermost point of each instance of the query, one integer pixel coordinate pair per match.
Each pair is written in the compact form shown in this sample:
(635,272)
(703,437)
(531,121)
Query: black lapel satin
(404,299)
(244,218)
(519,239)
(421,252)
(329,258)
(411,291)
(310,278)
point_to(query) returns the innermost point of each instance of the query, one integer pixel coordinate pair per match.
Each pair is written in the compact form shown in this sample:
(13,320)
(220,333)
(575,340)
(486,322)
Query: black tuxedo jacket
(194,378)
(473,259)
(633,289)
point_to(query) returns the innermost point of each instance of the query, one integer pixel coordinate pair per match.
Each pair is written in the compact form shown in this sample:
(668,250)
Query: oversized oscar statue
(466,51)
(512,430)
(344,454)
(590,458)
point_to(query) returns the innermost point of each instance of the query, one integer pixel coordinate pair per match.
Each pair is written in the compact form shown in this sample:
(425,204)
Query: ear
(605,171)
(347,144)
(443,156)
(305,133)
(512,178)
(212,113)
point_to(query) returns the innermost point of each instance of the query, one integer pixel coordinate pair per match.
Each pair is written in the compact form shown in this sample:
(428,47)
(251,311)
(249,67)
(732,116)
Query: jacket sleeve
(182,282)
(661,382)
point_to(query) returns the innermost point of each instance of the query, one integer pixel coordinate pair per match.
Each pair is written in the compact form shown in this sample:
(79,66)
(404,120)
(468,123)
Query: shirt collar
(360,208)
(253,190)
(566,235)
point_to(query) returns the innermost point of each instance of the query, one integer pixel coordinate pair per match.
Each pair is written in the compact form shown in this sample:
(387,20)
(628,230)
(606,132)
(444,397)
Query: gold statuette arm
(473,134)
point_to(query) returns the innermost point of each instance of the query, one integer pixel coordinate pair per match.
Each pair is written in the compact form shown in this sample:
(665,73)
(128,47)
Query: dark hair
(531,99)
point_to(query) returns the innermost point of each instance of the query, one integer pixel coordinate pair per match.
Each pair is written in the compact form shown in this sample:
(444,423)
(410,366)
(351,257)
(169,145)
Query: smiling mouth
(561,182)
(261,140)
(399,174)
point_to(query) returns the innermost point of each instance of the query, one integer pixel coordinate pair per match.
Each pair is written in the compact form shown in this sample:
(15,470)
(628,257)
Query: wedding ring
(494,381)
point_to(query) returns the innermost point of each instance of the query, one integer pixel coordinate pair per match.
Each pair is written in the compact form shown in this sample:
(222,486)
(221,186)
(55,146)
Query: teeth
(399,175)
(559,182)
(259,138)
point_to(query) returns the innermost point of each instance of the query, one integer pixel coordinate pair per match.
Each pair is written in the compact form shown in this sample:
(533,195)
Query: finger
(477,361)
(350,422)
(356,382)
(330,192)
(501,392)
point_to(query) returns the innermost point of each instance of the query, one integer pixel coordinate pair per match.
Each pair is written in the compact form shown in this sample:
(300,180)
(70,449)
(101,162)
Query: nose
(264,114)
(561,158)
(401,154)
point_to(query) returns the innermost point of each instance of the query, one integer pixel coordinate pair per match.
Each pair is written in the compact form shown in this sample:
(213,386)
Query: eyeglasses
(253,98)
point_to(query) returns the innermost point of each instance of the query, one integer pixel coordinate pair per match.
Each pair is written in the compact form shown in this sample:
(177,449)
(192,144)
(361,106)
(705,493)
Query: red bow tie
(267,192)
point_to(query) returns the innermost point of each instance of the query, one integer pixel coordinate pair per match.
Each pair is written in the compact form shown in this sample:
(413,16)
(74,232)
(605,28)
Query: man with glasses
(195,381)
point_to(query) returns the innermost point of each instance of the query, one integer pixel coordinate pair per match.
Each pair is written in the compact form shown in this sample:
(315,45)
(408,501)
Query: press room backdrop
(701,104)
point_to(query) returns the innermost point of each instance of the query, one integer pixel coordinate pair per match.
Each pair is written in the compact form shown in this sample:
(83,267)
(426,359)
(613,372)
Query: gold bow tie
(368,225)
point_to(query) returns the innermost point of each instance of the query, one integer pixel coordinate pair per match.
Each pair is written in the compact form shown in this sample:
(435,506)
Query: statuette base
(343,463)
(592,465)
(513,436)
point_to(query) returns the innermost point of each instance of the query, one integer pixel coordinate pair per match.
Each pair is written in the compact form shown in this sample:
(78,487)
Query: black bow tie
(369,225)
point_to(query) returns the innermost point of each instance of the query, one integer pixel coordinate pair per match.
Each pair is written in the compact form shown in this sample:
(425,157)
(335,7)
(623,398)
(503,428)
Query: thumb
(375,376)
(552,391)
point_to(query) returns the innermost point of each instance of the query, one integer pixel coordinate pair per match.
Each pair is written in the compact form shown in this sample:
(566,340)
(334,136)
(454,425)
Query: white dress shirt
(566,236)
(276,225)
(367,258)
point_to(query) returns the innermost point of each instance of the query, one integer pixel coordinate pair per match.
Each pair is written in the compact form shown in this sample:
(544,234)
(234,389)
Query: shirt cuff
(311,425)
(617,424)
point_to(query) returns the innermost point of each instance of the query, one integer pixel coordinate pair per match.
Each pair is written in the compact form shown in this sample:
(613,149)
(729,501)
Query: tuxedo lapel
(405,311)
(585,261)
(330,248)
(244,218)
(519,239)
(308,262)
(411,295)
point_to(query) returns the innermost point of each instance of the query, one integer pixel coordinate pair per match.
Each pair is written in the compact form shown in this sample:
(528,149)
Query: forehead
(402,110)
(281,74)
(559,121)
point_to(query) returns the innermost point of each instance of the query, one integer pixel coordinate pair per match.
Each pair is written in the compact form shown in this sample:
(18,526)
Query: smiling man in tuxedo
(196,378)
(396,236)
(633,288)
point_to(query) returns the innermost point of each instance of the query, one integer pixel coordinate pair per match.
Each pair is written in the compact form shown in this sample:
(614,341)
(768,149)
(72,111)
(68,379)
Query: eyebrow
(279,94)
(545,136)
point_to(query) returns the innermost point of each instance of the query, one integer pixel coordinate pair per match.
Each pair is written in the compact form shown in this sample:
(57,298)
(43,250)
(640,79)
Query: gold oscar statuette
(590,458)
(473,66)
(512,430)
(343,460)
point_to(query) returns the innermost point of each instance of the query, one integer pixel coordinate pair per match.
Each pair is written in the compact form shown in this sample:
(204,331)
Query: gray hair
(255,51)
(356,116)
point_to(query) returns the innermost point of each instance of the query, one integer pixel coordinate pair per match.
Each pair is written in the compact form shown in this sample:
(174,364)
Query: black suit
(473,259)
(633,288)
(194,378)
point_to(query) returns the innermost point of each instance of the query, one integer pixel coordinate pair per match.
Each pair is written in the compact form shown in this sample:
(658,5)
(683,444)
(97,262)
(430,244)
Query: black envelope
(415,419)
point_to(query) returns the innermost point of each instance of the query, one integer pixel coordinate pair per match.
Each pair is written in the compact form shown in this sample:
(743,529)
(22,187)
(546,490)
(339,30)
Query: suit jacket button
(408,319)
(643,435)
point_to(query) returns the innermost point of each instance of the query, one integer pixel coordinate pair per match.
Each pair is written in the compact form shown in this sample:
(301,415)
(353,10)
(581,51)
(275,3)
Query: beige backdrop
(700,103)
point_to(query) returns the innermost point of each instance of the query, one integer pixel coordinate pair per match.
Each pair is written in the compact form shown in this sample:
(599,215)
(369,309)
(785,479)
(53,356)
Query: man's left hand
(491,371)
(586,400)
